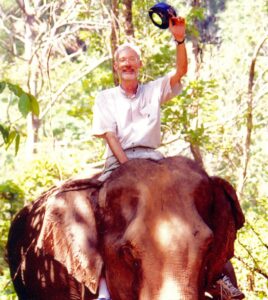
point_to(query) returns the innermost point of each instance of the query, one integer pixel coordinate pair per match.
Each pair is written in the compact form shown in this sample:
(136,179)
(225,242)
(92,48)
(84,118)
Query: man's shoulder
(106,95)
(155,82)
(109,91)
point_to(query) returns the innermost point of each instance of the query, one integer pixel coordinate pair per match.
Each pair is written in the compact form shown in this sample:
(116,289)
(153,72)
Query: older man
(128,116)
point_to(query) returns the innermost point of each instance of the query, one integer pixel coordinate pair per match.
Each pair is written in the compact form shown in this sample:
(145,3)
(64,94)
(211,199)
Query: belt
(135,152)
(139,148)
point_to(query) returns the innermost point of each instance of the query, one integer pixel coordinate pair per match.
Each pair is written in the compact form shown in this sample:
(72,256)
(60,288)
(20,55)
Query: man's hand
(177,27)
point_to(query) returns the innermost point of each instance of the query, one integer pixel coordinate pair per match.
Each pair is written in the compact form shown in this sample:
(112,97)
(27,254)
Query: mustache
(128,69)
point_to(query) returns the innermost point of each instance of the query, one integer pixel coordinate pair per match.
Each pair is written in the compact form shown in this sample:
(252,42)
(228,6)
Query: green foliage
(6,287)
(251,258)
(26,103)
(187,112)
(11,201)
(9,135)
(195,14)
(40,175)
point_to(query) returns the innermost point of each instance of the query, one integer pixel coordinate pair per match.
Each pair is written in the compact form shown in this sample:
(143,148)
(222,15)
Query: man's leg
(110,165)
(230,272)
(103,290)
(104,176)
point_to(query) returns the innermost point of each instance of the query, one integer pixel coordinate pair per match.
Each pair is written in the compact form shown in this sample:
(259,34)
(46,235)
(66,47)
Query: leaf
(2,86)
(5,133)
(17,143)
(17,90)
(11,138)
(24,105)
(34,105)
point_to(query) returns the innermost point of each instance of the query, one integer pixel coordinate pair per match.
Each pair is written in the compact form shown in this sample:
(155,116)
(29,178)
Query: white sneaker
(227,290)
(103,290)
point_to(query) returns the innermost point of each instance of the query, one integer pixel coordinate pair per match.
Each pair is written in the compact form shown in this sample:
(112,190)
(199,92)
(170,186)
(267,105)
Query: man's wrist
(179,41)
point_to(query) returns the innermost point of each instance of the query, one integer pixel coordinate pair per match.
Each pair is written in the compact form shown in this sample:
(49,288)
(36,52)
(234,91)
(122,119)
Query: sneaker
(226,290)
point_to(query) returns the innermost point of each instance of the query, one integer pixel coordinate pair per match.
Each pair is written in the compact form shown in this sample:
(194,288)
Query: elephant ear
(226,218)
(224,188)
(69,234)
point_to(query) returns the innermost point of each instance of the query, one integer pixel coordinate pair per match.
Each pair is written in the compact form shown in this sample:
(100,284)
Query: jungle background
(56,55)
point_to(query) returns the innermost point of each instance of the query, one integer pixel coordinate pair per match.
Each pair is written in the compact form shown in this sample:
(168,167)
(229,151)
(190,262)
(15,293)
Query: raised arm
(177,28)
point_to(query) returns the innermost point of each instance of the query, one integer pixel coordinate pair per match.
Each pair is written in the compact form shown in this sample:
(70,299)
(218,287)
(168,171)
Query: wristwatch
(179,42)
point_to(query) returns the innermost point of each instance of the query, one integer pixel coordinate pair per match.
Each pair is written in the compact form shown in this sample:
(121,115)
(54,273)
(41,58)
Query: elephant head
(157,230)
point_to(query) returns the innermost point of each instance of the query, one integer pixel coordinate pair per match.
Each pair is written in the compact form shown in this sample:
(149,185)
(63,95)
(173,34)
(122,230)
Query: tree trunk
(249,120)
(127,25)
(33,122)
(115,35)
(127,18)
(195,149)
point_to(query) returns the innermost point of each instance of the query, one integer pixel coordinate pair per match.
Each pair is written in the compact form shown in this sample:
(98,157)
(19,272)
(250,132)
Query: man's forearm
(181,65)
(115,147)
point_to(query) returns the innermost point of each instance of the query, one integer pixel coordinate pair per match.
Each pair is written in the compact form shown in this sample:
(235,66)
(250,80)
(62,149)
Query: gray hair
(125,46)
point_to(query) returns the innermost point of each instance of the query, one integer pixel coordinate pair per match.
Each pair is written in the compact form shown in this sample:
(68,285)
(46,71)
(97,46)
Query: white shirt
(135,120)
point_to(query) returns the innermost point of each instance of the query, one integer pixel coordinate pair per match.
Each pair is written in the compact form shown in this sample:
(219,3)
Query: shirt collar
(133,96)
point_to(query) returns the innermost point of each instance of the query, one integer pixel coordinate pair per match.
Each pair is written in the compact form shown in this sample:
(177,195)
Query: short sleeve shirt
(135,120)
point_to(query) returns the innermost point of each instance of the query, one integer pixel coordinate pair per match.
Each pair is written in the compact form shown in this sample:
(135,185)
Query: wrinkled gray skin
(157,230)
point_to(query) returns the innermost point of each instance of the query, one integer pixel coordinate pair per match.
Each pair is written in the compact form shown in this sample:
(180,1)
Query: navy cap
(161,13)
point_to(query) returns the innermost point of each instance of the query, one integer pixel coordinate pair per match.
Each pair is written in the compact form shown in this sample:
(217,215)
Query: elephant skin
(155,229)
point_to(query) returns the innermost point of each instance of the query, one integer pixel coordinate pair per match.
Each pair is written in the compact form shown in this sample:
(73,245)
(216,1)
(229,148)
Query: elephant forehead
(165,230)
(149,192)
(150,177)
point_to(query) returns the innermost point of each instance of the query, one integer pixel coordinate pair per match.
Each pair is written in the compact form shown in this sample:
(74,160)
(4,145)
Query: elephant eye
(126,252)
(137,263)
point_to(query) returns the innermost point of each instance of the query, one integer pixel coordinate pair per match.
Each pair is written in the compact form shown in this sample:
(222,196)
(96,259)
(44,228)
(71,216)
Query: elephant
(154,229)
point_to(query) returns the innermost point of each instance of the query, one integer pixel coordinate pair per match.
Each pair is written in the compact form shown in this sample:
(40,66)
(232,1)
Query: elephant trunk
(171,290)
(175,281)
(178,260)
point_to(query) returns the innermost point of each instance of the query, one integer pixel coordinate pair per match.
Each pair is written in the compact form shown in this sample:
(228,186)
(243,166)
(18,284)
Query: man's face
(127,64)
